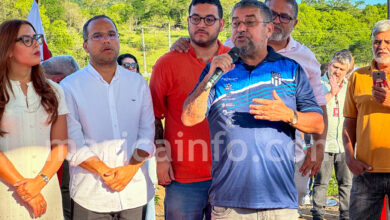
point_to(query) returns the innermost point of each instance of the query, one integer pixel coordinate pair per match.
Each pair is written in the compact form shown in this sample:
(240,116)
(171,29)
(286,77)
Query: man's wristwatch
(44,177)
(294,119)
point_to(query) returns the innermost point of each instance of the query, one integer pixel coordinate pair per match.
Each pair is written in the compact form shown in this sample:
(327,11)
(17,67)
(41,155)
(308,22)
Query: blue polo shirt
(253,160)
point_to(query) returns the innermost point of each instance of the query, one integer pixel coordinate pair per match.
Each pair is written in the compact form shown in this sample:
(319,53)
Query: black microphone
(234,54)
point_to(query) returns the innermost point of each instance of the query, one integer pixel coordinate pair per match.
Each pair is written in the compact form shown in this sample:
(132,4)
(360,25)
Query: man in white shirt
(111,124)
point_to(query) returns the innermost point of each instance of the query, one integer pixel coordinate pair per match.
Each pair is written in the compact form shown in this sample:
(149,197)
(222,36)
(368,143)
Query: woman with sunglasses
(33,129)
(129,62)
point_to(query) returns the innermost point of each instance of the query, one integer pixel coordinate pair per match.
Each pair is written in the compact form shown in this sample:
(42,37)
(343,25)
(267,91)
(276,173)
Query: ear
(85,46)
(222,25)
(295,22)
(270,28)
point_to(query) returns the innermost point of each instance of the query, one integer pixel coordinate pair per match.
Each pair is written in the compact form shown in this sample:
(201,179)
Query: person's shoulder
(363,70)
(171,57)
(130,77)
(53,84)
(73,77)
(224,49)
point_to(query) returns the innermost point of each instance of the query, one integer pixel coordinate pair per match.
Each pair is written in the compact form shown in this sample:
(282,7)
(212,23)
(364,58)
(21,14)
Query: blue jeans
(187,201)
(367,195)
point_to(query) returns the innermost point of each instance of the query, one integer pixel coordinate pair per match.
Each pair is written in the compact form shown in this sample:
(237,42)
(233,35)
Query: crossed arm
(29,189)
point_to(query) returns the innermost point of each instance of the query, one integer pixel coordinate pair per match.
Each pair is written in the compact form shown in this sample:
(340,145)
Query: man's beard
(381,60)
(204,43)
(279,35)
(248,50)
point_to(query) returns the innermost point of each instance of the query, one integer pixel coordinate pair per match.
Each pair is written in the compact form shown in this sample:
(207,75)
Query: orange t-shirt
(174,77)
(373,121)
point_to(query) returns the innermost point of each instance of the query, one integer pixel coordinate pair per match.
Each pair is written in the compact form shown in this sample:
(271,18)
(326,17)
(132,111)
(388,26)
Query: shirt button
(34,156)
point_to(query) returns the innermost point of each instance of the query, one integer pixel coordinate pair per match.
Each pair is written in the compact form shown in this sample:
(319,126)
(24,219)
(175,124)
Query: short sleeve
(62,108)
(350,110)
(306,101)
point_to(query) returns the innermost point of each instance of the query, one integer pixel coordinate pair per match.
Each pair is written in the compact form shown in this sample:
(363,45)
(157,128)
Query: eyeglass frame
(276,15)
(246,23)
(133,65)
(204,19)
(37,37)
(104,35)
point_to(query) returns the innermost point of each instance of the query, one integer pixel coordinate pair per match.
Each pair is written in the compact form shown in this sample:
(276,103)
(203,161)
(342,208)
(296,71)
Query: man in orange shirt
(183,153)
(366,130)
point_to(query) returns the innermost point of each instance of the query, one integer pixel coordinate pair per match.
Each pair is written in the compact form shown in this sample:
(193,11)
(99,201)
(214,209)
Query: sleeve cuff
(146,145)
(79,156)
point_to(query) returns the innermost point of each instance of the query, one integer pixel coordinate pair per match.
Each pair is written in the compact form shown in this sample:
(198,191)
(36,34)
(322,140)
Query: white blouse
(27,145)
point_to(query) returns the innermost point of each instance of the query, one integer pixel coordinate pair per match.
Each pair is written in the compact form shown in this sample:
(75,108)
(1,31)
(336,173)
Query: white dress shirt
(108,121)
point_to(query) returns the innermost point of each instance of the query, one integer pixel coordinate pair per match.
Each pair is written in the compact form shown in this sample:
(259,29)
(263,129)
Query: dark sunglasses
(29,40)
(130,65)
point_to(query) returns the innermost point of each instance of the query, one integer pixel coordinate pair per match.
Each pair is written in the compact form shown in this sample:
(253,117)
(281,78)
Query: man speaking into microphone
(253,111)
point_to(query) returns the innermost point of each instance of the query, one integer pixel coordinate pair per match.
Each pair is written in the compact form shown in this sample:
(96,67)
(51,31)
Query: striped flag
(35,19)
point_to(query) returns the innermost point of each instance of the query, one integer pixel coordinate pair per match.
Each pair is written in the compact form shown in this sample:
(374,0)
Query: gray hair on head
(62,64)
(293,3)
(343,56)
(381,26)
(265,12)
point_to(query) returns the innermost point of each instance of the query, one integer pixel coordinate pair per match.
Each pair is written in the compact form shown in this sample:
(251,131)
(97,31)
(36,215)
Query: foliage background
(324,26)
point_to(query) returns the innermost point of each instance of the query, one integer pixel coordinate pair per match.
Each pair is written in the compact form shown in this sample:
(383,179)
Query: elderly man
(253,111)
(111,125)
(366,130)
(335,88)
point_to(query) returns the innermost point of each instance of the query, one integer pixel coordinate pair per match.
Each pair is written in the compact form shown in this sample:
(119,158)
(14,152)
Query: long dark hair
(127,55)
(8,33)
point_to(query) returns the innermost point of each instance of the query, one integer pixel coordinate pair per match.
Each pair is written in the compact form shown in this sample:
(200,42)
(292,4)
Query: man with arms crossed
(112,126)
(186,176)
(366,131)
(253,112)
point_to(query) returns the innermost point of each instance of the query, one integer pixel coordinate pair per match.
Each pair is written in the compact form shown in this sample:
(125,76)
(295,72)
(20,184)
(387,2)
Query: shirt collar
(373,66)
(97,75)
(271,57)
(292,44)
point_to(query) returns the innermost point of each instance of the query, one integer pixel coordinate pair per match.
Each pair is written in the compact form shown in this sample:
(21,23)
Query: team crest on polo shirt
(228,87)
(276,79)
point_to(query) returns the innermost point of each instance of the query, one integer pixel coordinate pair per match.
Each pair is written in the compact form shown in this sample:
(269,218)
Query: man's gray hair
(343,56)
(265,12)
(293,3)
(62,64)
(381,26)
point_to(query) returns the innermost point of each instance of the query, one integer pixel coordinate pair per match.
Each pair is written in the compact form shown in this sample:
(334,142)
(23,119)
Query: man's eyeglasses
(29,40)
(247,23)
(208,20)
(98,36)
(130,65)
(283,18)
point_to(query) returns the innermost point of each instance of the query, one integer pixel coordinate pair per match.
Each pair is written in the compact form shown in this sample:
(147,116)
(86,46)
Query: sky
(371,2)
